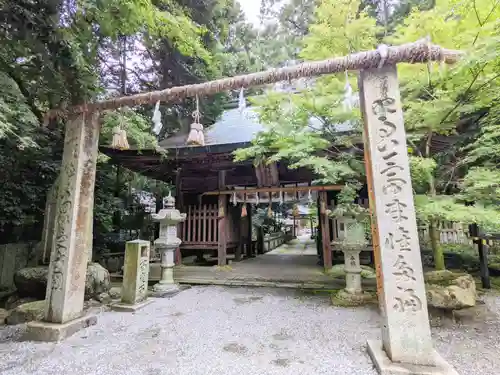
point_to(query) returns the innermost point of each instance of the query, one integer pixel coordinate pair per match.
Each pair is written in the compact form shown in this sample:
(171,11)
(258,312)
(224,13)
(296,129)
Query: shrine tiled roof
(234,127)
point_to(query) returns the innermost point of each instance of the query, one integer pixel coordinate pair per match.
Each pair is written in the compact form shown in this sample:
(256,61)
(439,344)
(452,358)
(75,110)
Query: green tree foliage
(459,102)
(63,52)
(303,127)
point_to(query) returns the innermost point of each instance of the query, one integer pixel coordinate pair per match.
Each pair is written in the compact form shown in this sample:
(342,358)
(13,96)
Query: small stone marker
(135,276)
(406,346)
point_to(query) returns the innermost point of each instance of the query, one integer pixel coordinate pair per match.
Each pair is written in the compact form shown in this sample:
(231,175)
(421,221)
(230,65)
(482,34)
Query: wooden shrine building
(211,187)
(209,182)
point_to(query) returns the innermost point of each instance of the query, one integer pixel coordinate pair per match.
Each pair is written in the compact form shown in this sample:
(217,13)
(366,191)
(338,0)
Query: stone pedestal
(135,276)
(353,271)
(166,244)
(406,346)
(68,262)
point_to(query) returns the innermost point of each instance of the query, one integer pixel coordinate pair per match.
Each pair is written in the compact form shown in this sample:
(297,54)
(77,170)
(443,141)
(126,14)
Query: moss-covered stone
(342,298)
(338,271)
(26,313)
(450,291)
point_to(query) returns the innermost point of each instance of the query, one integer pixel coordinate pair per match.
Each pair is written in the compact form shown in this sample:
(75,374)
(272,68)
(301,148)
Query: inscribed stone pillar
(68,263)
(406,334)
(135,276)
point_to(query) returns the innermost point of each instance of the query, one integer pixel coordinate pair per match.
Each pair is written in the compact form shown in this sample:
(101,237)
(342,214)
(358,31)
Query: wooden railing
(449,233)
(273,240)
(200,227)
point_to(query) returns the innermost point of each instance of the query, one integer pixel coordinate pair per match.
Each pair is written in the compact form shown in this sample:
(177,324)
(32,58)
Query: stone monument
(64,313)
(135,277)
(406,346)
(169,217)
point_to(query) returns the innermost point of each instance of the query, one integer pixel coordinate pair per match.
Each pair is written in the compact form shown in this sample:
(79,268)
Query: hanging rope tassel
(244,210)
(120,141)
(269,211)
(196,136)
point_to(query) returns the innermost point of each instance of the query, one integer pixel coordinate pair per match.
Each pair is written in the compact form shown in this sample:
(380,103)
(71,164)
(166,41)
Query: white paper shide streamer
(242,104)
(157,125)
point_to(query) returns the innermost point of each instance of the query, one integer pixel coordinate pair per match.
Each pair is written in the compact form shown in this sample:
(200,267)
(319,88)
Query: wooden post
(406,335)
(249,231)
(242,228)
(222,222)
(483,256)
(325,232)
(179,206)
(483,263)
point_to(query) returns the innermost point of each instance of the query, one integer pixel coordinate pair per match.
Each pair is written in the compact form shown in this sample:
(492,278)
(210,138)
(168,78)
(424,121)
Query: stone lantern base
(165,289)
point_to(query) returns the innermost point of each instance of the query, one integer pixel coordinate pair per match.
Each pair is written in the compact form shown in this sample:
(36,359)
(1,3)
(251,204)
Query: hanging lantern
(244,210)
(196,136)
(119,140)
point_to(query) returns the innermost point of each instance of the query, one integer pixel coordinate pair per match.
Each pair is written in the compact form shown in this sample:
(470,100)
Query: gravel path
(234,331)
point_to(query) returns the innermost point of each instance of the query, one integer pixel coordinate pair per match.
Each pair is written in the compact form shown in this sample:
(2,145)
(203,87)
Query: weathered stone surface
(3,314)
(13,257)
(42,331)
(136,272)
(338,270)
(32,282)
(72,243)
(115,292)
(26,313)
(451,292)
(406,334)
(14,301)
(104,298)
(5,294)
(97,281)
(346,299)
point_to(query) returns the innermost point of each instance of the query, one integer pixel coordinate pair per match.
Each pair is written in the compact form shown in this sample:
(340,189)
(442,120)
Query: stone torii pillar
(72,243)
(406,346)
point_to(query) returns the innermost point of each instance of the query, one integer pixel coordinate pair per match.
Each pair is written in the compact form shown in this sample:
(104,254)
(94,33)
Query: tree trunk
(437,250)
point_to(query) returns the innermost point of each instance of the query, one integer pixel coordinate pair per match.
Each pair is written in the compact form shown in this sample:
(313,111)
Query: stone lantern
(351,245)
(169,217)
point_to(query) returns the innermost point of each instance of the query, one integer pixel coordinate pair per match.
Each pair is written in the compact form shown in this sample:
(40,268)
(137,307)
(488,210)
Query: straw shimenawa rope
(417,52)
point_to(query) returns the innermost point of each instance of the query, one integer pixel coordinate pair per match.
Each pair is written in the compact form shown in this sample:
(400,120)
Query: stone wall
(273,240)
(13,257)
